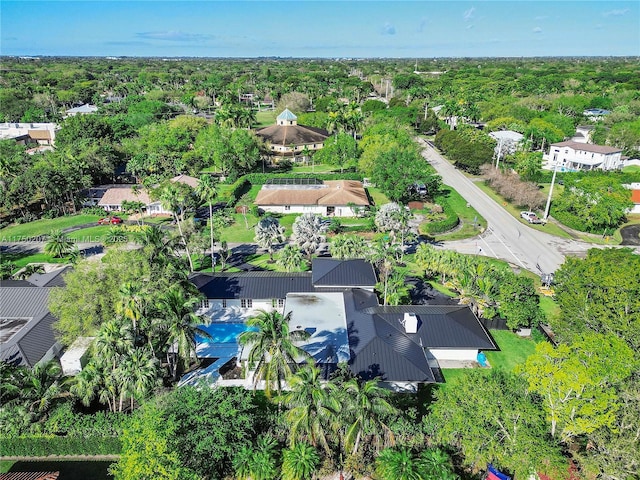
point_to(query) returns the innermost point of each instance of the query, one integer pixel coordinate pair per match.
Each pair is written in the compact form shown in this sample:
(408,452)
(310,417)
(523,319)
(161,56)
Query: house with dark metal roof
(288,139)
(335,303)
(26,325)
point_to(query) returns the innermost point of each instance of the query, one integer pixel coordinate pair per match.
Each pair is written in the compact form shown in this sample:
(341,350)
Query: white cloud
(469,27)
(616,12)
(469,14)
(537,30)
(388,29)
(173,35)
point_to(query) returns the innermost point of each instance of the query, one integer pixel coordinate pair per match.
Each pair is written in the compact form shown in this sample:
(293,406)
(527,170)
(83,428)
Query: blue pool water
(223,332)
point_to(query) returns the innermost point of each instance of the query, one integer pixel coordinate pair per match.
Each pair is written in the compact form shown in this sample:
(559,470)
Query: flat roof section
(323,316)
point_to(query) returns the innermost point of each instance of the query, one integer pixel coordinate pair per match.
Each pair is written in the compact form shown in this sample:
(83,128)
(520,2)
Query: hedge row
(449,223)
(44,445)
(261,178)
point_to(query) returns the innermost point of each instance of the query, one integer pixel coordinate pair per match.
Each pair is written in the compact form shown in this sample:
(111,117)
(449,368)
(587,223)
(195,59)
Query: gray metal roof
(440,326)
(27,345)
(330,272)
(50,279)
(254,285)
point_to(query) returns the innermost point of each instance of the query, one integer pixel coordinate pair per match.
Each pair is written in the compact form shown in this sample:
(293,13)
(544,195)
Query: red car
(110,221)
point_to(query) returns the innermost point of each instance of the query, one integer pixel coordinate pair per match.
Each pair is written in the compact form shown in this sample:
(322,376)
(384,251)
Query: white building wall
(581,159)
(454,354)
(287,209)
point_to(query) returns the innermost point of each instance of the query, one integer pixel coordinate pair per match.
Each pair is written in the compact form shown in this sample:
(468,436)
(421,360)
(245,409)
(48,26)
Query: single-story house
(507,142)
(85,109)
(29,133)
(339,198)
(111,197)
(335,303)
(26,325)
(574,156)
(287,138)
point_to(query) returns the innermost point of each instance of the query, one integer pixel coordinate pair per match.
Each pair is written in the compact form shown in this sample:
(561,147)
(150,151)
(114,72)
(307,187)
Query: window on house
(204,303)
(224,303)
(287,208)
(277,302)
(246,303)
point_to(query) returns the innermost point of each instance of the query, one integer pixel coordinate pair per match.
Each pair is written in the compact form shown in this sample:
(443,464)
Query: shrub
(449,223)
(45,445)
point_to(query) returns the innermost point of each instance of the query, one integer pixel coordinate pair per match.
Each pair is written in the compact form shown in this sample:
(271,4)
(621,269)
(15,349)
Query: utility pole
(499,153)
(553,181)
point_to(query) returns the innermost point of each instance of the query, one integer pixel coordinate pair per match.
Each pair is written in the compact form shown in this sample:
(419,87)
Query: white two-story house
(574,156)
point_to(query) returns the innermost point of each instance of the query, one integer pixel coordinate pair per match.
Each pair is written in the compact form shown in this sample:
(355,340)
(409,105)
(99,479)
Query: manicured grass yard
(317,168)
(266,118)
(377,196)
(513,350)
(44,226)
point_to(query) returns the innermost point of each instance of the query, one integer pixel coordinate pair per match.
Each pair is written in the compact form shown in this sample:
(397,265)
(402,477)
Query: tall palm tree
(207,192)
(273,353)
(136,375)
(58,245)
(172,196)
(348,246)
(368,408)
(181,326)
(130,304)
(257,463)
(313,407)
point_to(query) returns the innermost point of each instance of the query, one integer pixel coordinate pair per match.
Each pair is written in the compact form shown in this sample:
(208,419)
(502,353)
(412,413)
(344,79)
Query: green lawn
(265,119)
(239,233)
(262,261)
(317,168)
(44,226)
(377,196)
(513,350)
(631,169)
(468,217)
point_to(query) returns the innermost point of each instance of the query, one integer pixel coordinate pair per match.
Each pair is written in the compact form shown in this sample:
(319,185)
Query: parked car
(530,217)
(110,221)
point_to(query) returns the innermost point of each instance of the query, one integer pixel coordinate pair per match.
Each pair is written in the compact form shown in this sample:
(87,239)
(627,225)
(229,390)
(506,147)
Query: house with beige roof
(111,197)
(571,156)
(339,198)
(288,139)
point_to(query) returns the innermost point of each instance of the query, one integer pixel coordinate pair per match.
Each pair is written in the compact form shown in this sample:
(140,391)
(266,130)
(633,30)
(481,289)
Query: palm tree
(136,375)
(41,386)
(173,198)
(131,305)
(300,462)
(273,353)
(269,232)
(257,463)
(399,465)
(289,258)
(313,407)
(368,408)
(308,232)
(181,326)
(58,245)
(437,464)
(348,246)
(206,189)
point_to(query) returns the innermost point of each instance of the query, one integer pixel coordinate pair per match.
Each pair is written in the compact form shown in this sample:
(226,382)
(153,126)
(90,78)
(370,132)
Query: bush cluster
(449,223)
(45,445)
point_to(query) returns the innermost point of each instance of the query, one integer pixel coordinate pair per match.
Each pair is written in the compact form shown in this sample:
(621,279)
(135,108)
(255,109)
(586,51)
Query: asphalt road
(506,238)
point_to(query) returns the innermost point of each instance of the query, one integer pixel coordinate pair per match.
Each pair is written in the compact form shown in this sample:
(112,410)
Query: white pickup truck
(531,217)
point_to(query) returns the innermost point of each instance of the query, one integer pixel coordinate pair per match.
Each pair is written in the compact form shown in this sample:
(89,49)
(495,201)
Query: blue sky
(413,29)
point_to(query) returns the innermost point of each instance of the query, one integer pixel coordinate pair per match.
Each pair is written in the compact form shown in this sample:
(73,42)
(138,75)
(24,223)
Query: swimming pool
(223,333)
